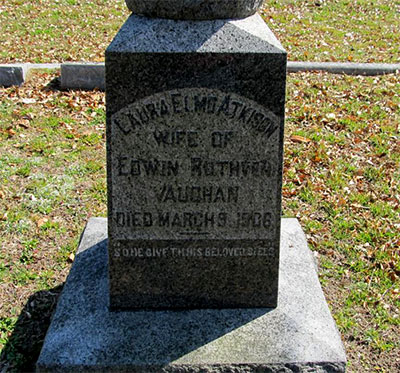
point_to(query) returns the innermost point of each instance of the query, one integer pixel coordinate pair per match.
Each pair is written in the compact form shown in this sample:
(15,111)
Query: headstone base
(298,336)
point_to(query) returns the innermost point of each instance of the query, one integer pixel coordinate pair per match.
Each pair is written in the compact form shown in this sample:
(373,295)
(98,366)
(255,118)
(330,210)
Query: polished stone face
(194,9)
(194,145)
(195,163)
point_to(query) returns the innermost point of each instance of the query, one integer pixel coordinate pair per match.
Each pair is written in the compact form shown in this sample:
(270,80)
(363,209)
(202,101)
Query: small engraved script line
(193,232)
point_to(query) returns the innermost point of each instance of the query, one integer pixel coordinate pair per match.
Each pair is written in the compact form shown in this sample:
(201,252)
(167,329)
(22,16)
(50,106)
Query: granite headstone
(195,115)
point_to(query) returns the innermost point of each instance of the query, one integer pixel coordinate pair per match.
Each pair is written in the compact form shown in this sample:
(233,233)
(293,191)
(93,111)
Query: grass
(311,30)
(54,31)
(344,186)
(52,178)
(341,179)
(336,30)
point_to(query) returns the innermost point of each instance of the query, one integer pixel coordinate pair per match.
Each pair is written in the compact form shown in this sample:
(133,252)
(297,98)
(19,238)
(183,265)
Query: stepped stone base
(297,336)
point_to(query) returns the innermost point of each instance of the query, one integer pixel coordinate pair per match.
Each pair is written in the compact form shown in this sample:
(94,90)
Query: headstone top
(194,9)
(155,35)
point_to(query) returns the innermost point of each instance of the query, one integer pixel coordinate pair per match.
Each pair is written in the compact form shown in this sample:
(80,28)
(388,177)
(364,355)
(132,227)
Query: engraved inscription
(233,168)
(146,167)
(153,252)
(195,162)
(194,219)
(197,166)
(198,194)
(177,138)
(196,102)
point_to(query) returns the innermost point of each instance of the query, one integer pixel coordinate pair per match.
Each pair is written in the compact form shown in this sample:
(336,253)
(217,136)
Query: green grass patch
(336,30)
(343,185)
(326,30)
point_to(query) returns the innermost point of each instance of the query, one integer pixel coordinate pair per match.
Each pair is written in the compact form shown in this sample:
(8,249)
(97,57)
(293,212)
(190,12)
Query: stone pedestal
(297,336)
(195,116)
(195,273)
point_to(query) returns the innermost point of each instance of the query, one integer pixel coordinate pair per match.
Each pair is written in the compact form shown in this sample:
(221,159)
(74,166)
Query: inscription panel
(195,163)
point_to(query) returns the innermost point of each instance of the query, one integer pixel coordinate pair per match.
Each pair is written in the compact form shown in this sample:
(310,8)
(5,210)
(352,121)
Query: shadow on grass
(54,85)
(23,346)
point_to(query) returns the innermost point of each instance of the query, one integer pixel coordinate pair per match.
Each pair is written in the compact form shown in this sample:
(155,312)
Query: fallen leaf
(10,132)
(393,276)
(41,222)
(299,139)
(316,158)
(24,123)
(28,100)
(288,193)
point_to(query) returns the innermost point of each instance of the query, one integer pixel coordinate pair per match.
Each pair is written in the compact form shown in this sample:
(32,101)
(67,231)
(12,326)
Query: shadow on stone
(94,336)
(23,346)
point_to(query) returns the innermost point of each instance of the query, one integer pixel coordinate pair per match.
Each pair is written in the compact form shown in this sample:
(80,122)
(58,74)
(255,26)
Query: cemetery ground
(341,179)
(43,31)
(341,174)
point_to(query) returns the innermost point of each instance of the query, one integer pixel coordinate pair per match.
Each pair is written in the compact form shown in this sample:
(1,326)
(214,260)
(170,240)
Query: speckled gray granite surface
(13,74)
(298,336)
(194,9)
(195,115)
